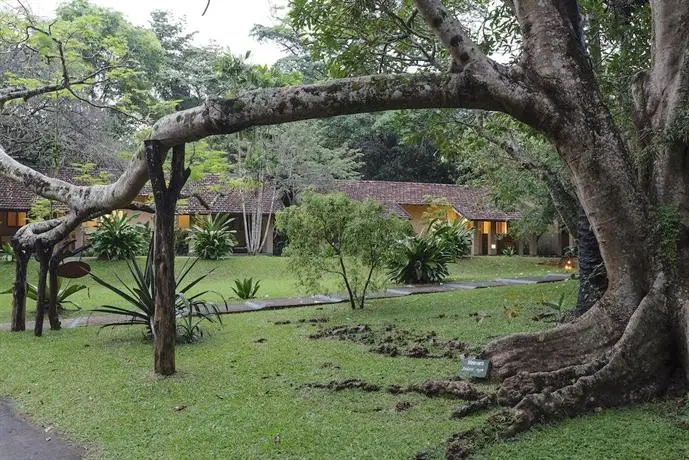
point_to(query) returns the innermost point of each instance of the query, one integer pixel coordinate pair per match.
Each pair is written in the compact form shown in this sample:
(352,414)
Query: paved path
(322,299)
(20,440)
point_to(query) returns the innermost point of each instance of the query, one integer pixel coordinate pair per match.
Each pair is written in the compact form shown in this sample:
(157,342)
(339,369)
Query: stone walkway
(21,440)
(322,299)
(400,291)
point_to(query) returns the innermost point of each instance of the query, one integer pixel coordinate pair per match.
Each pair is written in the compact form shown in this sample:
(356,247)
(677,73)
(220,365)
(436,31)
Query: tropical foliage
(211,237)
(246,288)
(6,252)
(117,238)
(139,292)
(63,295)
(454,237)
(419,259)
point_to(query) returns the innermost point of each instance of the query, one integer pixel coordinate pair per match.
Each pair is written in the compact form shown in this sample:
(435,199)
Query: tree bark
(593,280)
(22,257)
(43,252)
(166,196)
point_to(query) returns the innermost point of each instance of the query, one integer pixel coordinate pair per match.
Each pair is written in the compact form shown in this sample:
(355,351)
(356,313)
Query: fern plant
(246,288)
(211,238)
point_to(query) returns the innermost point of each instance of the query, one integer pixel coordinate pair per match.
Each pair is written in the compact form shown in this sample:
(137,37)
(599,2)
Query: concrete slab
(516,281)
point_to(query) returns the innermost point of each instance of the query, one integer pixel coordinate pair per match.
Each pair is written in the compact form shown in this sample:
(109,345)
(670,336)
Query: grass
(240,393)
(277,280)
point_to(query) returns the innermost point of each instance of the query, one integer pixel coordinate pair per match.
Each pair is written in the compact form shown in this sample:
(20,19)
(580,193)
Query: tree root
(571,344)
(638,367)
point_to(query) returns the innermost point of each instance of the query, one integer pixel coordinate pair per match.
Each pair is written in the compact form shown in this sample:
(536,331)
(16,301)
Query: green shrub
(509,251)
(335,234)
(420,259)
(117,239)
(246,288)
(140,291)
(453,236)
(7,252)
(211,237)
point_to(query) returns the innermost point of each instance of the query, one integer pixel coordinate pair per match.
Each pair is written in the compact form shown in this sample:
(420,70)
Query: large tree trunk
(22,257)
(166,196)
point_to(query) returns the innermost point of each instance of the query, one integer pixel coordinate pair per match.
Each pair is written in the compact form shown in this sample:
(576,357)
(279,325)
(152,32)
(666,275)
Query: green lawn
(240,392)
(276,278)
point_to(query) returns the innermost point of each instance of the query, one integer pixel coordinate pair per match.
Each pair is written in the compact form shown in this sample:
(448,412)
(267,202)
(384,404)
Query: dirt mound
(392,341)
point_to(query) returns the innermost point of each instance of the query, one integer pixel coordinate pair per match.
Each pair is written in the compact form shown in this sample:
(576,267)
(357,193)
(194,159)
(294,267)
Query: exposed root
(473,407)
(516,387)
(636,369)
(571,344)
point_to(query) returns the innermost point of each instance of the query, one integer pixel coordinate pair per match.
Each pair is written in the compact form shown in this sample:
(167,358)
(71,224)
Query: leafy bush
(139,293)
(420,259)
(335,234)
(453,236)
(246,288)
(7,252)
(211,238)
(117,239)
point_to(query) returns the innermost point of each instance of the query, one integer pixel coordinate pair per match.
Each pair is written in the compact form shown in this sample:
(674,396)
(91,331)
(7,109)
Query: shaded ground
(20,440)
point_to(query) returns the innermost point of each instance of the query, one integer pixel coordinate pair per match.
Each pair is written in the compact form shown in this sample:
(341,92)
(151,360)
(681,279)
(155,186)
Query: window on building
(485,227)
(15,219)
(501,228)
(184,221)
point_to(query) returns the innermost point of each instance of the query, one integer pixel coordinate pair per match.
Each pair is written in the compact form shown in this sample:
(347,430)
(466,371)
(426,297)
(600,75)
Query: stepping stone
(255,305)
(322,298)
(463,286)
(517,281)
(398,292)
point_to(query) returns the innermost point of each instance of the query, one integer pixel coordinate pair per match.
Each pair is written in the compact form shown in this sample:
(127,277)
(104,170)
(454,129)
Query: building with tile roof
(212,195)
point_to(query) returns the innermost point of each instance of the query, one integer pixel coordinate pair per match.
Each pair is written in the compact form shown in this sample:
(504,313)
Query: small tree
(334,234)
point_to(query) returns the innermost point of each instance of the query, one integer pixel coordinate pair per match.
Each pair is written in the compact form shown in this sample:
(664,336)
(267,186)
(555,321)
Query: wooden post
(58,255)
(22,257)
(166,196)
(43,252)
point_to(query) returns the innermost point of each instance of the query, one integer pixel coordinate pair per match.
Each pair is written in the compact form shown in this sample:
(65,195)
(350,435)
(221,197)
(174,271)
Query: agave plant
(211,237)
(420,259)
(140,292)
(63,295)
(246,288)
(117,238)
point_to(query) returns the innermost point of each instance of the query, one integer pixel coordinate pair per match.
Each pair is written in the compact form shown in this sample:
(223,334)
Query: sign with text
(472,367)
